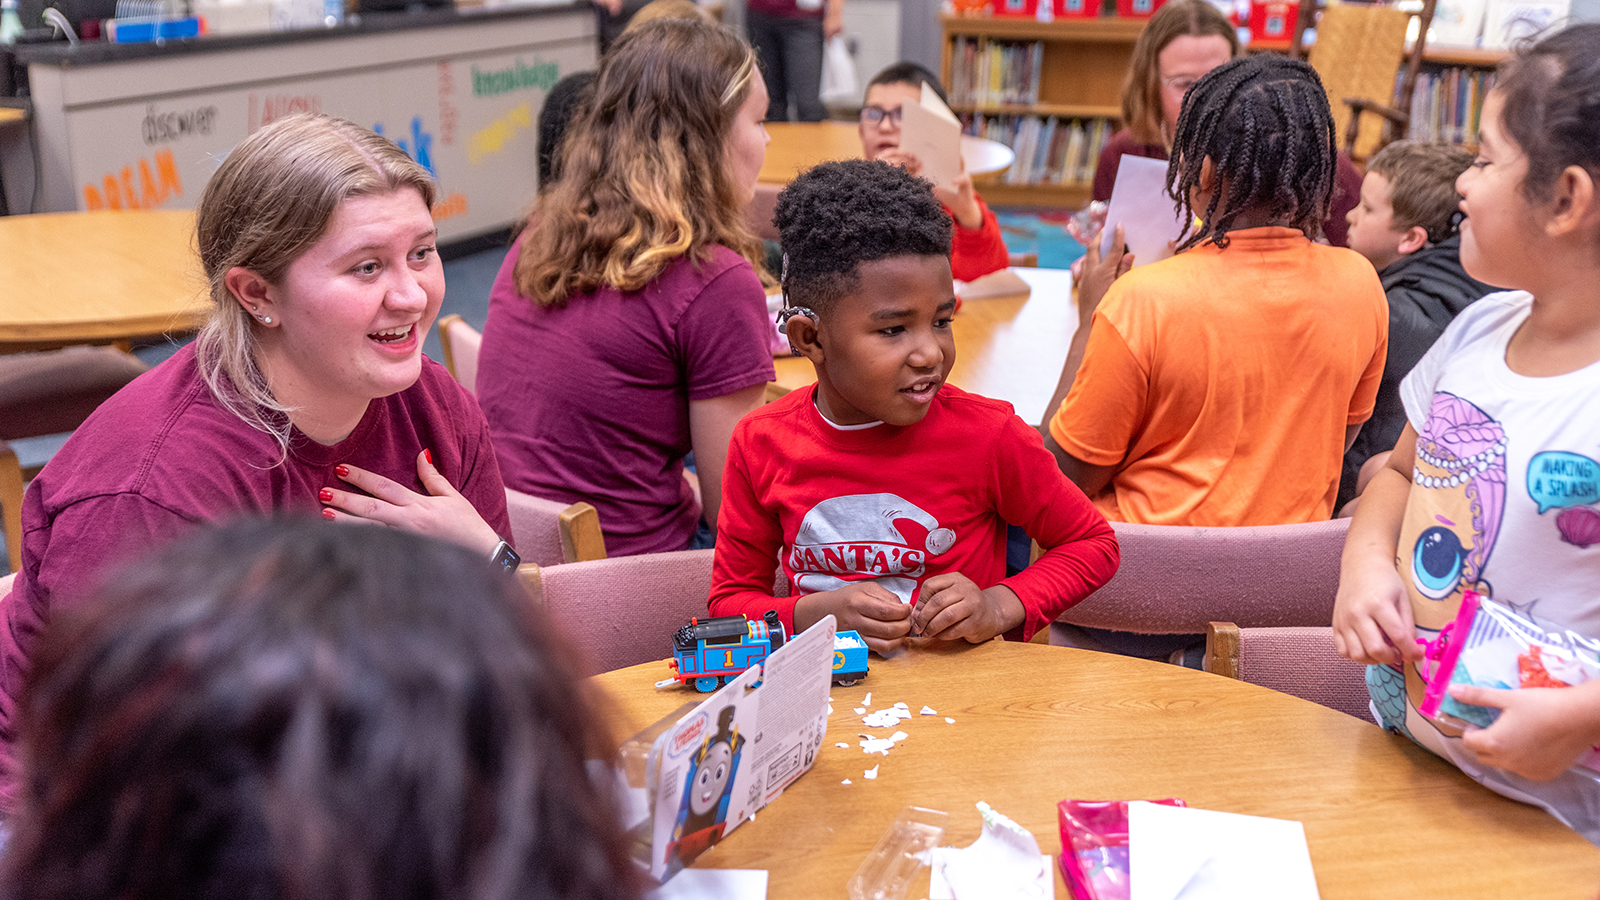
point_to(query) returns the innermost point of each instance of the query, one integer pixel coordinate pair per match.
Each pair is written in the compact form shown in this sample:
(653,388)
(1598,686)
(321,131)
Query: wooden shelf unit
(1084,62)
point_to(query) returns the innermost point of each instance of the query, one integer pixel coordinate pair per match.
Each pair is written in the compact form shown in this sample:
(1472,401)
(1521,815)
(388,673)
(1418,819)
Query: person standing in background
(787,36)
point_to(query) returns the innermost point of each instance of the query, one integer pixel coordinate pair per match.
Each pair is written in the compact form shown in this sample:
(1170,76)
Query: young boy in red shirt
(883,491)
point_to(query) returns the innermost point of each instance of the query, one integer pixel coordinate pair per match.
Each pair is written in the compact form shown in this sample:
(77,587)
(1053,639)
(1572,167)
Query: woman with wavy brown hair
(628,324)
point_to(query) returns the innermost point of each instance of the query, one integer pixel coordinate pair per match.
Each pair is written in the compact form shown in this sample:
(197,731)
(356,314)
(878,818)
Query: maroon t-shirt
(1346,181)
(591,401)
(163,456)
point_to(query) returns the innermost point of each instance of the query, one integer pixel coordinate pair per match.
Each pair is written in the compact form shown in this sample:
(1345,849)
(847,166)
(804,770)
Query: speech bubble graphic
(1559,479)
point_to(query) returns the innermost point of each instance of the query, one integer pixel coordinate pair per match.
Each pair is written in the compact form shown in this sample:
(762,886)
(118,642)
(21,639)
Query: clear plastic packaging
(1094,847)
(1490,645)
(900,854)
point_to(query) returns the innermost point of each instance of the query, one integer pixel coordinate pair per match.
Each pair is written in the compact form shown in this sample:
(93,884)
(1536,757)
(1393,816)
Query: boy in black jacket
(1405,225)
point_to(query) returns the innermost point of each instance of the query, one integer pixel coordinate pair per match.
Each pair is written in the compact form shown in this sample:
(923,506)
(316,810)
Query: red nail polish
(341,470)
(427,455)
(327,514)
(325,495)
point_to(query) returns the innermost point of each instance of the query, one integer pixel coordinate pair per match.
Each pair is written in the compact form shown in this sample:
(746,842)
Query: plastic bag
(839,82)
(1489,645)
(1094,847)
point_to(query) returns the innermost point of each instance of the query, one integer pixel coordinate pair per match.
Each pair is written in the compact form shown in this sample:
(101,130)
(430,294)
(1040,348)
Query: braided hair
(1264,123)
(837,215)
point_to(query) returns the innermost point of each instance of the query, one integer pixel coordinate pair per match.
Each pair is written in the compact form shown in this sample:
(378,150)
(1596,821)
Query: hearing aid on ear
(789,312)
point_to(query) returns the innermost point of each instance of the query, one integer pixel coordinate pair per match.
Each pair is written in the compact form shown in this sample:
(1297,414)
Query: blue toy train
(706,652)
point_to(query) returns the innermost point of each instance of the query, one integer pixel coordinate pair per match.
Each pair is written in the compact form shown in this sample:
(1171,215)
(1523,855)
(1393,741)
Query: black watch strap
(505,557)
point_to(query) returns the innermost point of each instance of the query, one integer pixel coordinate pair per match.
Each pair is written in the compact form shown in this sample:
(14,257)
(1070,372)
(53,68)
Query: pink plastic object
(1094,847)
(1443,652)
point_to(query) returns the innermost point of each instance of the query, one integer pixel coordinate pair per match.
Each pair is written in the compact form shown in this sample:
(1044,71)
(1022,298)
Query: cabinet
(1050,90)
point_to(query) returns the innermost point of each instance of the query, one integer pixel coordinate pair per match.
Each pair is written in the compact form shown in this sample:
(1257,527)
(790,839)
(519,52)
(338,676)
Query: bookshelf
(1068,71)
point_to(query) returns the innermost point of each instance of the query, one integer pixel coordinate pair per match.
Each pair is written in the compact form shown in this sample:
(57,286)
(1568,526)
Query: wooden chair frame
(1397,113)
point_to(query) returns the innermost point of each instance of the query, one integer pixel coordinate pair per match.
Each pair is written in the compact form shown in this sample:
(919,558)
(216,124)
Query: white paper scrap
(1004,863)
(877,745)
(861,710)
(713,884)
(870,773)
(1177,853)
(901,706)
(868,700)
(1139,202)
(949,721)
(846,781)
(898,736)
(929,711)
(842,745)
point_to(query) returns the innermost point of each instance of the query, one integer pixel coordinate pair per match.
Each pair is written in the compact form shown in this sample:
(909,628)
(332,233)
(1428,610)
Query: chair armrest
(581,538)
(1360,105)
(1222,650)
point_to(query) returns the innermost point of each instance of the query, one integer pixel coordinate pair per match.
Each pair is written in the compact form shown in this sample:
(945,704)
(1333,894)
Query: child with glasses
(976,248)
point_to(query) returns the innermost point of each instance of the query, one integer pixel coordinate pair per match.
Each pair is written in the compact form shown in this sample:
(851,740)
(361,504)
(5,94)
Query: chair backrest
(623,611)
(549,533)
(1175,579)
(1360,48)
(461,343)
(1298,661)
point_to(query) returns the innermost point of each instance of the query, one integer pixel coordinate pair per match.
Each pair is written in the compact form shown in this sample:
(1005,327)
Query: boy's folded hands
(865,606)
(951,607)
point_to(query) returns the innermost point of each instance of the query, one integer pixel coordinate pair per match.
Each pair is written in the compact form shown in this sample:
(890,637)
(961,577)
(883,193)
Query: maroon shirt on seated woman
(1346,181)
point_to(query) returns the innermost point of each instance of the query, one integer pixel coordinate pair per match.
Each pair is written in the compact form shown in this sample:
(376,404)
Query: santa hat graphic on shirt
(880,535)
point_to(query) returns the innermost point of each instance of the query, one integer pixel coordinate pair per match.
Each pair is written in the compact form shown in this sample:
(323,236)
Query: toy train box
(707,652)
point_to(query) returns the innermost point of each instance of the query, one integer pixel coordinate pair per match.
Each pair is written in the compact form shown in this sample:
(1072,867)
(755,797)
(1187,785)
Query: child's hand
(950,607)
(1541,732)
(1099,272)
(1372,618)
(864,606)
(961,199)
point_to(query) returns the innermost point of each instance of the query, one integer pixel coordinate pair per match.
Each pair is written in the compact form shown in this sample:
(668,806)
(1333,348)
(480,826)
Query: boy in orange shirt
(1222,386)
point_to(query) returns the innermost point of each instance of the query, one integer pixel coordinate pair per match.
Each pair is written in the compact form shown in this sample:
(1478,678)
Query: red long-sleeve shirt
(899,505)
(977,251)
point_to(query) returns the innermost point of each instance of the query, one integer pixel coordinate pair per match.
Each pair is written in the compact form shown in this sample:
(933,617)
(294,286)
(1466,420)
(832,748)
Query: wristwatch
(505,557)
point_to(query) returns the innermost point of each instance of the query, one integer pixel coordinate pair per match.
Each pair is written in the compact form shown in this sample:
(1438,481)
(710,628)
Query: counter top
(90,53)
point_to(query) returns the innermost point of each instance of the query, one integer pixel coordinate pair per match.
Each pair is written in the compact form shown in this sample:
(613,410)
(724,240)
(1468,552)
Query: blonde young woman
(628,325)
(1184,40)
(306,390)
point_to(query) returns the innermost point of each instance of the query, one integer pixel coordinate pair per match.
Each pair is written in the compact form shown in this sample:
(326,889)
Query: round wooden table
(1036,724)
(98,277)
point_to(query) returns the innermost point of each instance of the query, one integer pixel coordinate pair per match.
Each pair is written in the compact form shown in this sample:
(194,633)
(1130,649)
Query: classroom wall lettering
(492,138)
(165,127)
(419,146)
(518,76)
(447,106)
(118,190)
(450,207)
(267,108)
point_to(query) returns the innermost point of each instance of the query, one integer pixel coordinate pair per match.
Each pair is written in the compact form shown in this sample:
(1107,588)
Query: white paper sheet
(1140,203)
(713,884)
(932,134)
(1177,853)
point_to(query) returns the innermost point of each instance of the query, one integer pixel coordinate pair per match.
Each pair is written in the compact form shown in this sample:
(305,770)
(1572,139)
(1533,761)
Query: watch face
(506,558)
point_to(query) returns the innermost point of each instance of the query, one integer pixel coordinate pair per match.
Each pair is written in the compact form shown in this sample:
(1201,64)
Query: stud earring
(267,320)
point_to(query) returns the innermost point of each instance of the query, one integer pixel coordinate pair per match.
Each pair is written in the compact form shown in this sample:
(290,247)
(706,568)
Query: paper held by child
(931,132)
(1182,853)
(1139,203)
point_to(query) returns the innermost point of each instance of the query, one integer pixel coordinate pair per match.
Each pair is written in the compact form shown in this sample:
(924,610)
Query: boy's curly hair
(837,215)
